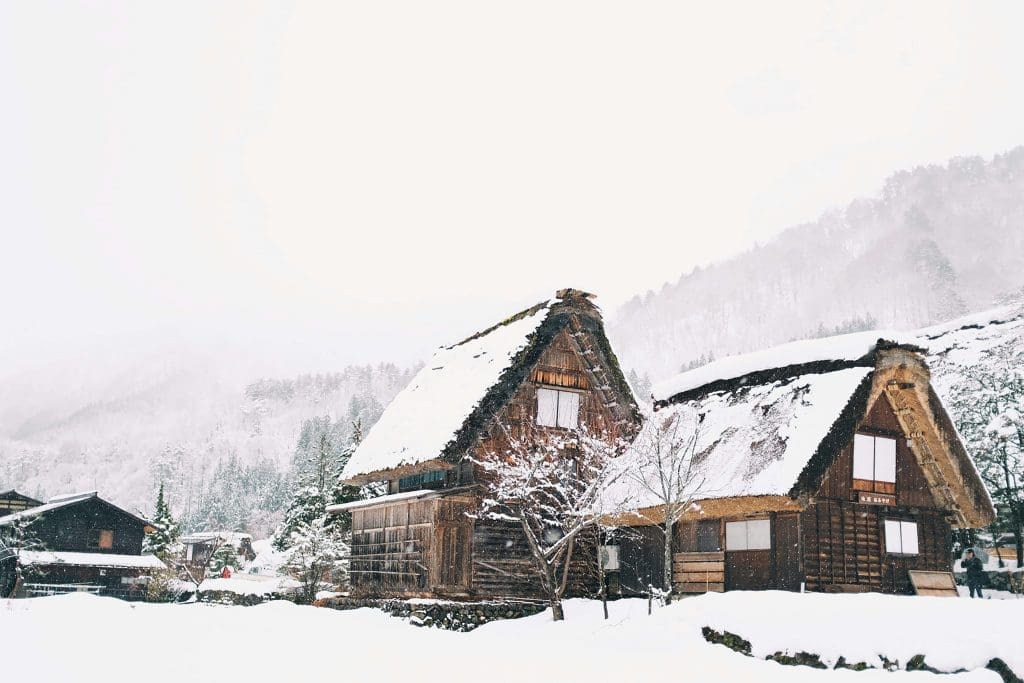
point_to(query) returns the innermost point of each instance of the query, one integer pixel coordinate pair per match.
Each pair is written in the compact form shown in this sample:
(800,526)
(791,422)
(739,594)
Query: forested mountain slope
(937,242)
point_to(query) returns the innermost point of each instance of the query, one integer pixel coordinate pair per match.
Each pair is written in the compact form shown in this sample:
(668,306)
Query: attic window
(874,463)
(558,408)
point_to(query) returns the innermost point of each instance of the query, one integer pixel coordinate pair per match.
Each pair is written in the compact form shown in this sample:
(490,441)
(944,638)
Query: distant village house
(79,542)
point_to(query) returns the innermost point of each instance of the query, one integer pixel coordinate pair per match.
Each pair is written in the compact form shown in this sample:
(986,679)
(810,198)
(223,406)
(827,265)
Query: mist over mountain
(121,417)
(937,242)
(176,422)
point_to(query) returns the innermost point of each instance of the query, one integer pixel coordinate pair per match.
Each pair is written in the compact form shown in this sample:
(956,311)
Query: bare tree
(550,484)
(660,466)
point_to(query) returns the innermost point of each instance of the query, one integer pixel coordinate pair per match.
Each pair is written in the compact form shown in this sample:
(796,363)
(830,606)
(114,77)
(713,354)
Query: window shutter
(863,457)
(885,459)
(568,409)
(547,407)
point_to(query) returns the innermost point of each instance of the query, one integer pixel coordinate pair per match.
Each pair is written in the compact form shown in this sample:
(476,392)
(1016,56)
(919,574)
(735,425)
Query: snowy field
(84,638)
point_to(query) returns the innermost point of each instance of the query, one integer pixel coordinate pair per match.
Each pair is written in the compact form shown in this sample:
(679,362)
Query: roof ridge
(525,313)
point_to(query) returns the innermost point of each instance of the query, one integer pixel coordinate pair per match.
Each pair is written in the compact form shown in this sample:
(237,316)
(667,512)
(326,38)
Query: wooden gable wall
(844,540)
(912,487)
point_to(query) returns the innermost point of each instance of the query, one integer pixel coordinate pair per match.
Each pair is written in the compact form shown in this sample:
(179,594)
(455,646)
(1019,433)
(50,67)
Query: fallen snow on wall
(426,415)
(282,642)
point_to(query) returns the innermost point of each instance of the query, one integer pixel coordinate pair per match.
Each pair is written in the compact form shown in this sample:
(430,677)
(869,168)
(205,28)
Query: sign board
(610,557)
(868,498)
(941,584)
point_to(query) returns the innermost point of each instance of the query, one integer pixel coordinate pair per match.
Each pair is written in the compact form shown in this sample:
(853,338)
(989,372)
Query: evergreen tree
(165,534)
(307,506)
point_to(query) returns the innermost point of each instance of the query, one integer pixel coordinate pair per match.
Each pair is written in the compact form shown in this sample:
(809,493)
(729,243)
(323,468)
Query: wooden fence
(698,572)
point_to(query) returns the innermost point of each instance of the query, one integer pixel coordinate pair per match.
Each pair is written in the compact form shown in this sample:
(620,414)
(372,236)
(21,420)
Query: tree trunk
(556,610)
(667,573)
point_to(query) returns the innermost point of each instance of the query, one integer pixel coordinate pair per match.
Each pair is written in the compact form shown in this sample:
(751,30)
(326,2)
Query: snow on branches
(552,484)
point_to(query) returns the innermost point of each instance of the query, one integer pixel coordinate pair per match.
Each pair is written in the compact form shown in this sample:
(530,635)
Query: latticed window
(425,480)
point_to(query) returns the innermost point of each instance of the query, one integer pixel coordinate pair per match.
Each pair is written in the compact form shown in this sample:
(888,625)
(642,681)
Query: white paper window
(558,408)
(754,534)
(568,409)
(885,459)
(547,407)
(874,458)
(863,457)
(901,537)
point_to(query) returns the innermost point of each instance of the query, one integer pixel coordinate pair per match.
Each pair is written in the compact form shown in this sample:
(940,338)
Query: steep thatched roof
(444,409)
(765,430)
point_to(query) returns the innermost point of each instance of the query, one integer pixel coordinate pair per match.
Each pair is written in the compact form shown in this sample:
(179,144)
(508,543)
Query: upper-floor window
(425,480)
(101,538)
(558,408)
(874,463)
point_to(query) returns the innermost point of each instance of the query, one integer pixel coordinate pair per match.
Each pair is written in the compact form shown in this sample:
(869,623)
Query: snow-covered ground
(85,638)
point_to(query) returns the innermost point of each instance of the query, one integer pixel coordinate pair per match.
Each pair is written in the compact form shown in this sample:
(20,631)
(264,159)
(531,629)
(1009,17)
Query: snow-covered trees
(989,408)
(315,553)
(165,534)
(550,485)
(660,468)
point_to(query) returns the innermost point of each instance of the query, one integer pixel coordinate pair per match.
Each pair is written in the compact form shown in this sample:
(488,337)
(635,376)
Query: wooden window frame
(746,523)
(558,401)
(875,485)
(900,522)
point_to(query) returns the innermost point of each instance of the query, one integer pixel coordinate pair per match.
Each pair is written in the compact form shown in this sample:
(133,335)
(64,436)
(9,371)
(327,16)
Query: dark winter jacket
(975,571)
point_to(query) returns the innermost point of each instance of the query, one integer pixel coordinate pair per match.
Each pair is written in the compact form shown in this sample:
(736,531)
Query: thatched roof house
(819,449)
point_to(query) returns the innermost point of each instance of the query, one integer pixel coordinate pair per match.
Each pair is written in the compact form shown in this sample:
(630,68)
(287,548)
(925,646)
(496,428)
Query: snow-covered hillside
(938,242)
(283,642)
(125,432)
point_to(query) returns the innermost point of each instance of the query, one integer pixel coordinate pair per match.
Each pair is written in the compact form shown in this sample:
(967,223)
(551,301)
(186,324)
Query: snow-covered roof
(233,537)
(426,416)
(841,348)
(39,557)
(57,502)
(380,500)
(752,440)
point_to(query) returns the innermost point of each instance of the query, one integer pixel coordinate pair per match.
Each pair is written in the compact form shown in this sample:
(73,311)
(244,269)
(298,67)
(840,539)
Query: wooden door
(454,553)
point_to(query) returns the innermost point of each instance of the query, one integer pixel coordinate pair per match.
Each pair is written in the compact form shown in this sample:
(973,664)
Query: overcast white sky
(352,181)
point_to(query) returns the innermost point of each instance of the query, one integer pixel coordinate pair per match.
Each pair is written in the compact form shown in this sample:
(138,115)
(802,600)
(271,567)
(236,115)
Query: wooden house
(548,369)
(11,501)
(80,542)
(199,547)
(827,465)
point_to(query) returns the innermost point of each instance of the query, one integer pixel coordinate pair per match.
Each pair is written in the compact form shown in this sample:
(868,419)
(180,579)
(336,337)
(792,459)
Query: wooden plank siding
(698,572)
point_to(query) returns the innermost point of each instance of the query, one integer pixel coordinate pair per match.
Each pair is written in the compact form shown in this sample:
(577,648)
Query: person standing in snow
(975,572)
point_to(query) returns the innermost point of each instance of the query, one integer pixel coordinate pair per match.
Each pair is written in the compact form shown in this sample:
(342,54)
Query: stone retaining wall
(454,616)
